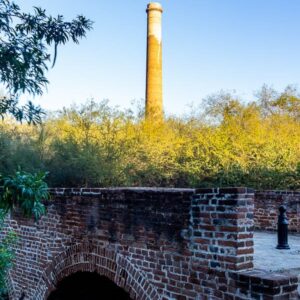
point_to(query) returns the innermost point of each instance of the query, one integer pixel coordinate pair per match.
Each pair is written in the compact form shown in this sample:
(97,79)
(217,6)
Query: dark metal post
(282,229)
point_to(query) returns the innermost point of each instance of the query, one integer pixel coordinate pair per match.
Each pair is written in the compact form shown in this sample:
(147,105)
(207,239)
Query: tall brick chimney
(154,99)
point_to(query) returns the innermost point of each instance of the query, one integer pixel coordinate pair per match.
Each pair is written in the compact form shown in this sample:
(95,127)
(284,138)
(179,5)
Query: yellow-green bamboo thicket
(226,143)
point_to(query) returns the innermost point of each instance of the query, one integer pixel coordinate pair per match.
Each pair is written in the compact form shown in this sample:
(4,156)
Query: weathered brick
(154,243)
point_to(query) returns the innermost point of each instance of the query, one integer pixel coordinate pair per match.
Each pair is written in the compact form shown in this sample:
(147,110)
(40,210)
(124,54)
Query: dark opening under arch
(88,286)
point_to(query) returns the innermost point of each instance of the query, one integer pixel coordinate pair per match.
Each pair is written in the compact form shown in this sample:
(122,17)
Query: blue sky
(208,45)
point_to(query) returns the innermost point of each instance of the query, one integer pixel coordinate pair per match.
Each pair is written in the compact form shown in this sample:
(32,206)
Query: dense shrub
(228,142)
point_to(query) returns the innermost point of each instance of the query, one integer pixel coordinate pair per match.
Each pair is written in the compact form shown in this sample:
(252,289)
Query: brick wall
(155,243)
(266,209)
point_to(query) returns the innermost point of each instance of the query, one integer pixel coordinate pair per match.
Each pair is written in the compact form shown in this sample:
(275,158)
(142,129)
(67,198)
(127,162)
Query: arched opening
(87,286)
(86,258)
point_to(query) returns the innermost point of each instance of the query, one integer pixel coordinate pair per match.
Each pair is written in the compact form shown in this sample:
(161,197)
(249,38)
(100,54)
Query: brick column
(222,221)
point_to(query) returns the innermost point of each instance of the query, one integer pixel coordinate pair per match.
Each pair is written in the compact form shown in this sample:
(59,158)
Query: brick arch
(109,263)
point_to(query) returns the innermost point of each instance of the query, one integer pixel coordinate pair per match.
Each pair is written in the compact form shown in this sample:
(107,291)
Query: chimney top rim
(154,6)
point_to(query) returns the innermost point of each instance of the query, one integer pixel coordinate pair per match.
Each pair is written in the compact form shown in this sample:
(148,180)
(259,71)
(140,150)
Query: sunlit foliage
(229,142)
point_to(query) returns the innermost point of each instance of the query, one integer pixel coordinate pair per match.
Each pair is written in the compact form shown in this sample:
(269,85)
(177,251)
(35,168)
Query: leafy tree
(24,54)
(285,103)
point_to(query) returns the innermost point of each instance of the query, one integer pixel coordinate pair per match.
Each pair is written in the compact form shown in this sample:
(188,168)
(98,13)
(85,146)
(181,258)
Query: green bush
(6,255)
(228,142)
(26,192)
